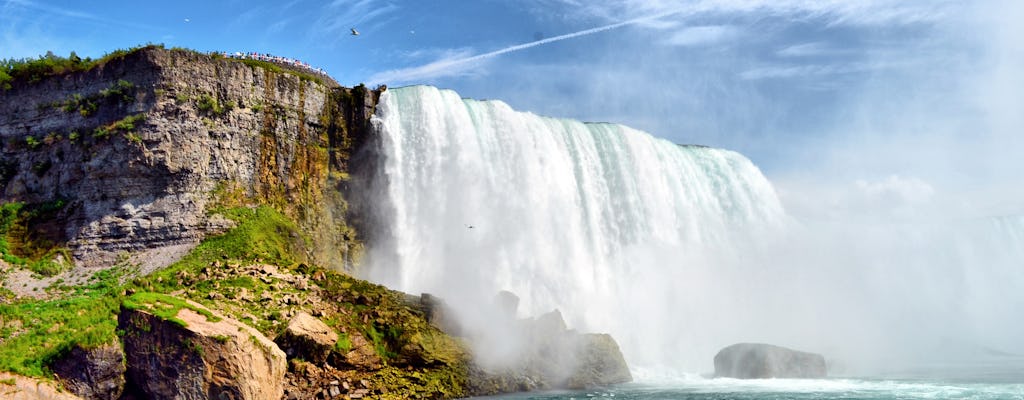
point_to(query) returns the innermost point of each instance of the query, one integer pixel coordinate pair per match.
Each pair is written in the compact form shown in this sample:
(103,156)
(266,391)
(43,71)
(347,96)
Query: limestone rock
(760,361)
(362,355)
(95,374)
(308,338)
(17,387)
(148,190)
(193,356)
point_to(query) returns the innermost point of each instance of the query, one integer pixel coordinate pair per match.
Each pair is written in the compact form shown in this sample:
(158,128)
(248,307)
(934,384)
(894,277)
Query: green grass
(165,306)
(36,332)
(272,67)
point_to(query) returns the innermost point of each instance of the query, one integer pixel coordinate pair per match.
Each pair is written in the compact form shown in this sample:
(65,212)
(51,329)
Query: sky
(842,103)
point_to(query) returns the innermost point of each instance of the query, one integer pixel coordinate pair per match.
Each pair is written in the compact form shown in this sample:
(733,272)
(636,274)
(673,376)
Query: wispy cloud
(11,5)
(453,66)
(341,15)
(702,35)
(836,11)
(813,70)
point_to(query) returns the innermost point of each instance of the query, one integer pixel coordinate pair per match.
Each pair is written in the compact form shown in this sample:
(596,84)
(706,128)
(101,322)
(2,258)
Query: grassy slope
(417,357)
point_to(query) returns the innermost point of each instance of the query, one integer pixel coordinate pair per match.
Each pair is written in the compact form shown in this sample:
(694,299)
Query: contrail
(441,67)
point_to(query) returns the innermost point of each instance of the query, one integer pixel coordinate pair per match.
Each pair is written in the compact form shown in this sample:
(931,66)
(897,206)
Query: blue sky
(914,96)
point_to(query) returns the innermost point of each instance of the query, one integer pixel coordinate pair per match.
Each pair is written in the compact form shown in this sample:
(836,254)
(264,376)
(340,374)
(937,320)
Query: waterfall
(677,251)
(593,219)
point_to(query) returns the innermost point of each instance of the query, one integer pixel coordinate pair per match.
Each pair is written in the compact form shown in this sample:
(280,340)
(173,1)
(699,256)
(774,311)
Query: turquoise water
(841,388)
(1001,379)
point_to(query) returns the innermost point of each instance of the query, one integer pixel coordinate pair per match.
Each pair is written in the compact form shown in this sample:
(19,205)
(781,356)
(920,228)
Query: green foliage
(32,142)
(5,78)
(210,104)
(125,125)
(31,70)
(21,245)
(122,91)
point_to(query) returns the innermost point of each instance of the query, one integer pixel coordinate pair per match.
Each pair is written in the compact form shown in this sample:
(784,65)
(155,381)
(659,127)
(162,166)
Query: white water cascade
(617,229)
(677,251)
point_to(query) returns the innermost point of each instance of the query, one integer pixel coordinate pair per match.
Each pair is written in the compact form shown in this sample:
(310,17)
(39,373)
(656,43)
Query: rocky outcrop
(94,374)
(599,362)
(180,350)
(760,361)
(137,150)
(544,354)
(308,337)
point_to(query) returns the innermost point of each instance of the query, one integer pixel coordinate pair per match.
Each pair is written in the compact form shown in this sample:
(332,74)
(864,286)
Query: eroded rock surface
(195,356)
(94,374)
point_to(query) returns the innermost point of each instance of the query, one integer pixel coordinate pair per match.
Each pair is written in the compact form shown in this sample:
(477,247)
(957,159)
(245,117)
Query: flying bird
(355,32)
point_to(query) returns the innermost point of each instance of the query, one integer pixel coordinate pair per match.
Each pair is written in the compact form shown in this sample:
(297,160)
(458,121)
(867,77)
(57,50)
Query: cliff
(168,218)
(130,156)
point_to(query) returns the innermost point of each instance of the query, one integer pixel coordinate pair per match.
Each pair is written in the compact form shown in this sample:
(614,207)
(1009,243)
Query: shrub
(32,70)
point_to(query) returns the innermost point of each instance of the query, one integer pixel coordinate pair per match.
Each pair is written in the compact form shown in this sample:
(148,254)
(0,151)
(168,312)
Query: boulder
(95,374)
(760,361)
(599,362)
(361,356)
(177,349)
(551,356)
(308,338)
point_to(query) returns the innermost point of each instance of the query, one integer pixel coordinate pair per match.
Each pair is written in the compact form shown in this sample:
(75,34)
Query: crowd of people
(275,59)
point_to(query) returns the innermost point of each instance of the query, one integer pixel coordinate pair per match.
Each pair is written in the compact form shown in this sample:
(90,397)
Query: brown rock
(17,387)
(93,373)
(308,338)
(207,358)
(362,356)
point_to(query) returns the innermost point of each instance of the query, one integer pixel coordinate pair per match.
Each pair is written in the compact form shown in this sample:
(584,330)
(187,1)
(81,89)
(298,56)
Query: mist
(893,157)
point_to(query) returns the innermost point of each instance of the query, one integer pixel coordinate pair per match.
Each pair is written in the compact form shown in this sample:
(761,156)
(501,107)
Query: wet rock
(599,362)
(760,361)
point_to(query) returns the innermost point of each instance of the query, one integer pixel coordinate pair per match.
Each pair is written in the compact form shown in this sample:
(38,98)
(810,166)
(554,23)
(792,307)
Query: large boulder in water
(760,361)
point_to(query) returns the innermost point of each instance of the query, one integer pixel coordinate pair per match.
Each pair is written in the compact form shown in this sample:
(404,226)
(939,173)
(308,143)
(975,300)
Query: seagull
(355,32)
(470,226)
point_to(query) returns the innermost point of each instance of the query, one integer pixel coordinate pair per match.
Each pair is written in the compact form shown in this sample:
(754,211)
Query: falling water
(565,214)
(675,250)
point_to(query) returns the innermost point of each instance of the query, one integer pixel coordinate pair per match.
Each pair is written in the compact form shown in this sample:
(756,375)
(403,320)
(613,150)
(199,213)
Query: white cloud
(805,50)
(702,35)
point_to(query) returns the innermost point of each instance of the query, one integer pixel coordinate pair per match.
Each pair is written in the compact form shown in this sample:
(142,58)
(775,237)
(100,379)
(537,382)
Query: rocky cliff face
(132,155)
